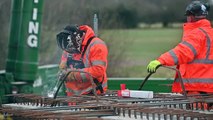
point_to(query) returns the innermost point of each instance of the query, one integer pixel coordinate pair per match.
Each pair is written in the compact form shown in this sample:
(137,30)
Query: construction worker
(194,55)
(82,51)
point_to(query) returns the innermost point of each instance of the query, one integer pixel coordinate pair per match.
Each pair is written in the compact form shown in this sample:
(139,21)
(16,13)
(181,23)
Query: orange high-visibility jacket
(95,63)
(194,57)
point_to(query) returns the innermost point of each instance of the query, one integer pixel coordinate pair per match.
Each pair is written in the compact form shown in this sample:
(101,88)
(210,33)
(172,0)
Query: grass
(142,46)
(130,50)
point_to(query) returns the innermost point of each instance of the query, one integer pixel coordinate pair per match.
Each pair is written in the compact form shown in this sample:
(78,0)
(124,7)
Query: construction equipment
(179,76)
(22,61)
(167,106)
(162,107)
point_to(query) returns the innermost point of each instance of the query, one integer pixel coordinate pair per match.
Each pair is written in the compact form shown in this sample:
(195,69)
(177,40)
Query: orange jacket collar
(89,33)
(193,25)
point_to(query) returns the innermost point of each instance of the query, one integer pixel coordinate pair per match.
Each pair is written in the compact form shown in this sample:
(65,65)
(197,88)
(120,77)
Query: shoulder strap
(85,48)
(98,84)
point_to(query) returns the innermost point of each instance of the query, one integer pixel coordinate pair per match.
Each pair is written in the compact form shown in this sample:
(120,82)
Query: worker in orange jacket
(82,51)
(194,55)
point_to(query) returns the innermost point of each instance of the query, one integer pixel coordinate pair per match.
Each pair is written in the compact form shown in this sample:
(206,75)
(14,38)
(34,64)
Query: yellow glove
(152,66)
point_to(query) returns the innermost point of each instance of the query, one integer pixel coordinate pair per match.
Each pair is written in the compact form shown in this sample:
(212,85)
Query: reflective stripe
(98,62)
(197,80)
(87,90)
(203,61)
(88,50)
(206,60)
(171,52)
(75,92)
(208,43)
(191,47)
(83,77)
(79,92)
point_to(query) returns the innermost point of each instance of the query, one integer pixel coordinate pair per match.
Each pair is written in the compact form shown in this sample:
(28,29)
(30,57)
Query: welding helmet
(197,9)
(70,39)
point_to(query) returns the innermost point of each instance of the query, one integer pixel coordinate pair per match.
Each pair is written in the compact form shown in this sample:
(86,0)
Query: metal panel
(14,35)
(27,54)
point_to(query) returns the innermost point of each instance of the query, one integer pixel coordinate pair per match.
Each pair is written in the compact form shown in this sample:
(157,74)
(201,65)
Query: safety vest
(92,60)
(194,57)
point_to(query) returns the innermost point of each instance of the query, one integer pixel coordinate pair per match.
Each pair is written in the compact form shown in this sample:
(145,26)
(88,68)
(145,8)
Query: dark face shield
(68,43)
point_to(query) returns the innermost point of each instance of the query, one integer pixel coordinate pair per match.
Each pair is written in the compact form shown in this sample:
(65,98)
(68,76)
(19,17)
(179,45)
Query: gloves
(63,65)
(71,76)
(152,66)
(63,73)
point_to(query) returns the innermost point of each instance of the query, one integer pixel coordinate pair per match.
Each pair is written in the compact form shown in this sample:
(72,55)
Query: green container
(26,65)
(157,85)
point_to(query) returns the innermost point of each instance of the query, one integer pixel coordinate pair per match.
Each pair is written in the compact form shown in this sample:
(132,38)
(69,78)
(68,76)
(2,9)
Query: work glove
(62,74)
(63,65)
(71,76)
(153,65)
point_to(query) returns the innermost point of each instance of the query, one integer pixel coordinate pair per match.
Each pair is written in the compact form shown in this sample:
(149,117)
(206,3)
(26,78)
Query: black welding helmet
(70,39)
(197,9)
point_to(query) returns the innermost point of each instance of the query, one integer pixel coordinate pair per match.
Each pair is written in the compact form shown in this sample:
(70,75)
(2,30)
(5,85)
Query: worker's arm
(185,51)
(98,61)
(63,63)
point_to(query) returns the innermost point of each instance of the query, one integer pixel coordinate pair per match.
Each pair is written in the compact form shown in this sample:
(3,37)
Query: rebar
(162,106)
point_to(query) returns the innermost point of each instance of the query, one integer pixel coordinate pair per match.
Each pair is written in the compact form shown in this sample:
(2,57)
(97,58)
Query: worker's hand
(152,66)
(71,76)
(62,74)
(63,65)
